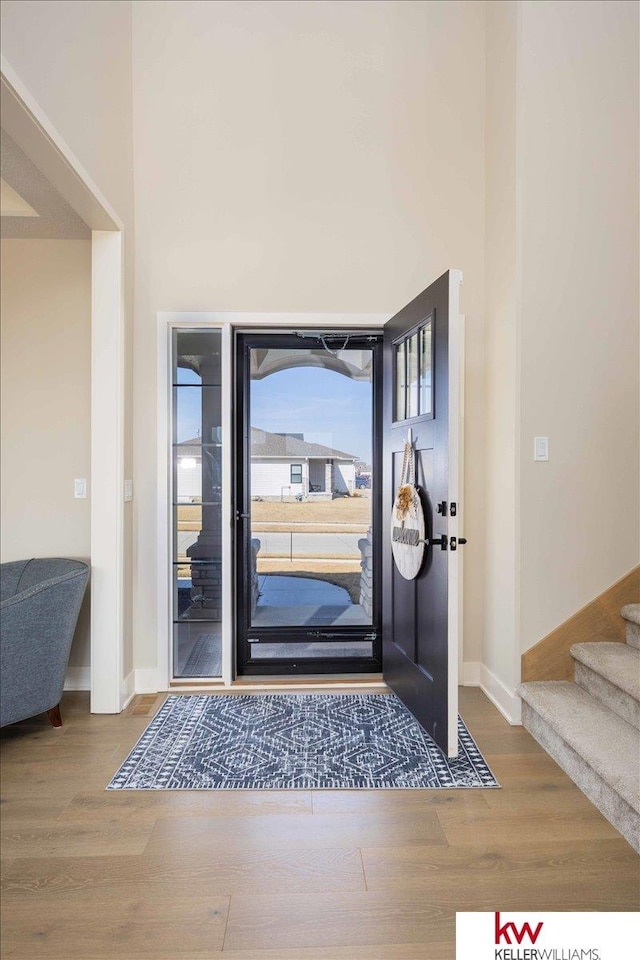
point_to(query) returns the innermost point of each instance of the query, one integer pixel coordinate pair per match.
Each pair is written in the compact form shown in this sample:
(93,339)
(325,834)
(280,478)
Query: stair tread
(609,744)
(618,663)
(631,613)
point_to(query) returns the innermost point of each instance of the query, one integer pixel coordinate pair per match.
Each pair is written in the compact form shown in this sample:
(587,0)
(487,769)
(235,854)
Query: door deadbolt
(457,541)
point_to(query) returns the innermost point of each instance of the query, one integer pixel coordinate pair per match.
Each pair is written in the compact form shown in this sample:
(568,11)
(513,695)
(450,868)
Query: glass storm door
(307,503)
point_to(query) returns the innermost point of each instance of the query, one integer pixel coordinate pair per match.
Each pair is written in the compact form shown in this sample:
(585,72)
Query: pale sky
(326,407)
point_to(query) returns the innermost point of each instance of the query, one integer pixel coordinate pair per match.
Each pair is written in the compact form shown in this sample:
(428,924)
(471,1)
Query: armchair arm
(36,631)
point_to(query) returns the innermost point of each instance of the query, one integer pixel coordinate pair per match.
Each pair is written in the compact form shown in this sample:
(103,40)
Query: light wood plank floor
(316,875)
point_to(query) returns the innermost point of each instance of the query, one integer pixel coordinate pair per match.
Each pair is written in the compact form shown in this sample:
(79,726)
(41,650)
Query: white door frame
(226,322)
(26,122)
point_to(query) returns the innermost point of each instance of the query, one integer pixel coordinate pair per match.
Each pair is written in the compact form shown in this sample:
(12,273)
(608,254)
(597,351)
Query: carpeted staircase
(592,727)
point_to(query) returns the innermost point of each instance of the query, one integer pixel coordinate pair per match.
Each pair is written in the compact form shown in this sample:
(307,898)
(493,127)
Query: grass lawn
(352,514)
(343,510)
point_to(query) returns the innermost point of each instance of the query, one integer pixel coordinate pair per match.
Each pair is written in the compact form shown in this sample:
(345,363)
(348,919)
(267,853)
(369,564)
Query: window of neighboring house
(296,473)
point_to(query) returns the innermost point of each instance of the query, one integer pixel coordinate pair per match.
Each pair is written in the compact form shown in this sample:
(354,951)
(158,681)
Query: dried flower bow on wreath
(405,500)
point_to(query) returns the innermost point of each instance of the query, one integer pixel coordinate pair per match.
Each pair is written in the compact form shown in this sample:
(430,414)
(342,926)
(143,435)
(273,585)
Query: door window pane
(196,358)
(401,382)
(426,373)
(412,376)
(197,415)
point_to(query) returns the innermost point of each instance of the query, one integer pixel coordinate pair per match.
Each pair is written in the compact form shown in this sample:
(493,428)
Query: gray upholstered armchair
(39,606)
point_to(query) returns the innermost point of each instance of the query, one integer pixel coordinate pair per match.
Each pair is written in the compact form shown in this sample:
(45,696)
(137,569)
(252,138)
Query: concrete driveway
(320,545)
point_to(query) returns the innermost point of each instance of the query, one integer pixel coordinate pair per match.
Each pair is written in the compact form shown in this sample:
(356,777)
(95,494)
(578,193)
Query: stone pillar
(206,574)
(255,583)
(328,477)
(366,577)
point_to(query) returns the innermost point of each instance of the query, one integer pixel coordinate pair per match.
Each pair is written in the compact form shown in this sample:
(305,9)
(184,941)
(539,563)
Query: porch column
(206,573)
(328,477)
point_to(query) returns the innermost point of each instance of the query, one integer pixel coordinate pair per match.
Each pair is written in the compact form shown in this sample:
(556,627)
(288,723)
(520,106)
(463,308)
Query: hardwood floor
(310,875)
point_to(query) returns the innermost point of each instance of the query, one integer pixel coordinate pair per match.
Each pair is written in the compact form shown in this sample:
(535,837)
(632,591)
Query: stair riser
(610,804)
(633,635)
(613,697)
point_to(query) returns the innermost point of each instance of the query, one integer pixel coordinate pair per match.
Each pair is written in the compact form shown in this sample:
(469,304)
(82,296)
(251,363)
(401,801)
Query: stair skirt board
(607,693)
(631,613)
(633,635)
(617,811)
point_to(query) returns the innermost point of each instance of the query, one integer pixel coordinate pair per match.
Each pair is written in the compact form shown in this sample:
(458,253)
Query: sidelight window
(197,503)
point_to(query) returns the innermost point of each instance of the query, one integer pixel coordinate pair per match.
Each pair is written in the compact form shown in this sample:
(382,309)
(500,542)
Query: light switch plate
(80,488)
(128,491)
(541,448)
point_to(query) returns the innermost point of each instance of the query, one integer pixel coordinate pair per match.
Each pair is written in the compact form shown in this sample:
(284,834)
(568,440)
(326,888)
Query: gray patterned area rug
(294,742)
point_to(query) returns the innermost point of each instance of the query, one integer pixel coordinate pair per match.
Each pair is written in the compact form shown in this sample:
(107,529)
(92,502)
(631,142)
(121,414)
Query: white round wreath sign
(407,521)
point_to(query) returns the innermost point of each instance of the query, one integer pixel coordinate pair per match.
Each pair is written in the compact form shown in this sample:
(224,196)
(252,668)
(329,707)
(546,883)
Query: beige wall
(578,169)
(46,403)
(75,59)
(309,156)
(561,315)
(501,653)
(331,156)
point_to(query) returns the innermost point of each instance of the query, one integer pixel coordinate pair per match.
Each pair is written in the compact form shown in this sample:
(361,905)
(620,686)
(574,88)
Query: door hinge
(454,509)
(253,640)
(371,636)
(442,508)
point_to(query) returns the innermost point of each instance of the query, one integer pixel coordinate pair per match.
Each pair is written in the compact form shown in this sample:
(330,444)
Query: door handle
(441,542)
(242,516)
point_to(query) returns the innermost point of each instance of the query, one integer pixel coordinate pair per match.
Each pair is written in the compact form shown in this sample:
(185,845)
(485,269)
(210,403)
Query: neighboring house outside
(284,466)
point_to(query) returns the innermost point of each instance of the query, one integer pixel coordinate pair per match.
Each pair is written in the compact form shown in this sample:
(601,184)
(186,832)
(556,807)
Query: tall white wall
(45,355)
(74,57)
(331,156)
(501,651)
(578,170)
(561,316)
(308,156)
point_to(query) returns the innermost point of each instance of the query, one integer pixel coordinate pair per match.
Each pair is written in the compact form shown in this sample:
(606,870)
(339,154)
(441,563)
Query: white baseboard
(146,680)
(471,673)
(476,674)
(78,678)
(509,705)
(128,690)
